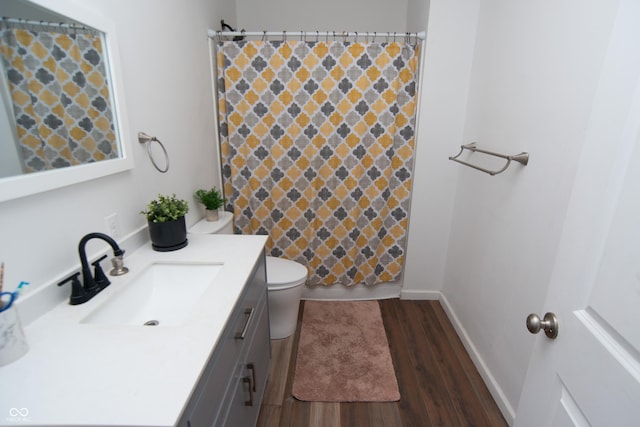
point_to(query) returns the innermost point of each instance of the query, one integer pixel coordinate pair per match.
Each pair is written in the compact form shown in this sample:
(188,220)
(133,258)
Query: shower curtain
(59,88)
(317,143)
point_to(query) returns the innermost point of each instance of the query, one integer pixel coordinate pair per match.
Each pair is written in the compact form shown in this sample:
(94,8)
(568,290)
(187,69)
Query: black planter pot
(168,236)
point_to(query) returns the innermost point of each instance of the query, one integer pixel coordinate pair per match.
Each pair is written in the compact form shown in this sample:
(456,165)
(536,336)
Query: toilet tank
(224,225)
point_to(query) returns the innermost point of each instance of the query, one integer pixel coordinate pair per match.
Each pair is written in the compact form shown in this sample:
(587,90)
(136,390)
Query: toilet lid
(283,273)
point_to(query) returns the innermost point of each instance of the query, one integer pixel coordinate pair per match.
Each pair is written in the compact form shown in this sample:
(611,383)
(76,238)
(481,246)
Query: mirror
(62,118)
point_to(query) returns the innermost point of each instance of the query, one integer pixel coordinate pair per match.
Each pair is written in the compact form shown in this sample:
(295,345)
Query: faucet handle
(118,266)
(98,274)
(78,293)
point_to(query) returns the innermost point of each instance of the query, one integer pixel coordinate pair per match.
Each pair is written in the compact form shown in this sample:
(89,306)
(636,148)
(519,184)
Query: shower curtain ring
(394,36)
(388,34)
(264,35)
(284,36)
(356,37)
(344,36)
(317,36)
(375,33)
(301,34)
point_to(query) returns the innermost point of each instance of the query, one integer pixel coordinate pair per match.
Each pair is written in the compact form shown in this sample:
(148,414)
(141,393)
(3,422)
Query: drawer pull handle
(247,380)
(252,367)
(241,335)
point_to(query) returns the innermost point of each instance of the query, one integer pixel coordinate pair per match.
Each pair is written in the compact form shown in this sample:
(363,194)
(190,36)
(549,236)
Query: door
(590,374)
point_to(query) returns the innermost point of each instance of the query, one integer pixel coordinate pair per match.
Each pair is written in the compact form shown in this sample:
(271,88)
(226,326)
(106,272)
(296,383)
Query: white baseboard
(494,388)
(420,295)
(351,293)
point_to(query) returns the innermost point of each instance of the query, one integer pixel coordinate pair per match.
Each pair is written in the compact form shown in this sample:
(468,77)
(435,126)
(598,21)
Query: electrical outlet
(113,228)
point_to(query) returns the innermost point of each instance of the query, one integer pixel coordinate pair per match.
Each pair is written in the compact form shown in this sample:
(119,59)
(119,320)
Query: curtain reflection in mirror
(59,88)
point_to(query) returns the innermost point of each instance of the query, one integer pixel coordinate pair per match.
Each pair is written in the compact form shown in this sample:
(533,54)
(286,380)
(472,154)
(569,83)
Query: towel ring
(143,138)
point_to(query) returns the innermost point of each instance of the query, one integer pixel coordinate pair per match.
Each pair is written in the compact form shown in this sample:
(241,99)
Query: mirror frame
(18,186)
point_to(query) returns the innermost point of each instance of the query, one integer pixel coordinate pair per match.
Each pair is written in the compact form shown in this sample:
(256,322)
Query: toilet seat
(284,274)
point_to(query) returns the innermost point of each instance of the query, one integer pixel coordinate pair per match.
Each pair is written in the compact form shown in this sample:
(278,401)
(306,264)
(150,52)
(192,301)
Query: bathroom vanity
(205,364)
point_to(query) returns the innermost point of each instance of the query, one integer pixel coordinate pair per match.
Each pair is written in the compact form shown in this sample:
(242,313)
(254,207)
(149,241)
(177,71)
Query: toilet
(285,280)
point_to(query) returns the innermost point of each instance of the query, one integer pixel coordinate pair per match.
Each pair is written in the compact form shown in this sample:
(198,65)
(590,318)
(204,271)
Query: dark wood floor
(439,385)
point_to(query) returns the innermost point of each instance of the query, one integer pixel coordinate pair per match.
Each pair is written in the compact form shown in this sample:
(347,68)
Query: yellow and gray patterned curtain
(317,141)
(59,88)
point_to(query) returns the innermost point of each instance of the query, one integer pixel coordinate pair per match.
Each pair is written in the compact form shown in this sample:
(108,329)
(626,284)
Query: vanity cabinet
(230,389)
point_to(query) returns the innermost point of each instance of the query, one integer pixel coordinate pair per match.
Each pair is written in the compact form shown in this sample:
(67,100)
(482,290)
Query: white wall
(325,15)
(535,72)
(446,71)
(417,15)
(167,84)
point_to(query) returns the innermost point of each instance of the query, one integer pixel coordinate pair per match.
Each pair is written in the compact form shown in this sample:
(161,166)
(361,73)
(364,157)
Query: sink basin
(163,294)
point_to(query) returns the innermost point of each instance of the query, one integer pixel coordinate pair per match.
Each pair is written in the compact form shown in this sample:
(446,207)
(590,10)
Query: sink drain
(151,323)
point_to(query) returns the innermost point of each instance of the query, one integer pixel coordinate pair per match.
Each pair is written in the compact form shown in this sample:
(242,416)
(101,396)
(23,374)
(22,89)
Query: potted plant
(167,227)
(212,201)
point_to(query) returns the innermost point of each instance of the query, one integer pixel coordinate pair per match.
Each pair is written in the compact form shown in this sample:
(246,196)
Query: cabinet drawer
(250,378)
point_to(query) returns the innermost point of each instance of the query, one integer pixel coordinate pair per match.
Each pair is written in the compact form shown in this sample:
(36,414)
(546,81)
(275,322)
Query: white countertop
(115,375)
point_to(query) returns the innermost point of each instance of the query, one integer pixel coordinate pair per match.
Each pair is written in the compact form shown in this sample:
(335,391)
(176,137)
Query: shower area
(317,150)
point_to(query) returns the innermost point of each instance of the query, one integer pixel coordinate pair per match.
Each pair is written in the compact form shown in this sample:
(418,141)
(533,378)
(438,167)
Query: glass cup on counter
(13,343)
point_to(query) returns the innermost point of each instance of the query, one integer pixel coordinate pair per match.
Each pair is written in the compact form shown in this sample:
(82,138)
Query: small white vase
(211,215)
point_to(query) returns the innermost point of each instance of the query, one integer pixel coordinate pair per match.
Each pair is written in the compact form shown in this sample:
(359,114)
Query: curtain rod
(19,22)
(317,35)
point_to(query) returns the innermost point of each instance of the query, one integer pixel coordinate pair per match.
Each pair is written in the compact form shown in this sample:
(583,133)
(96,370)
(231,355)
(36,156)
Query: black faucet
(92,284)
(88,281)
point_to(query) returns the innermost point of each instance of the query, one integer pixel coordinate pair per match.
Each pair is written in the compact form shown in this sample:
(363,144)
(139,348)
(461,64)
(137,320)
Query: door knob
(549,324)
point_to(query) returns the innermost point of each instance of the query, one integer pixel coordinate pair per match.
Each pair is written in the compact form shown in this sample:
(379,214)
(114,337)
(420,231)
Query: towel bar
(522,158)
